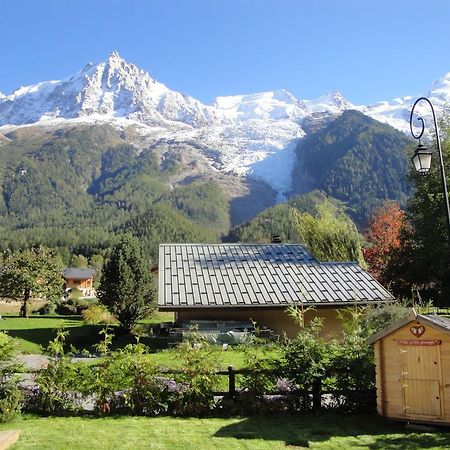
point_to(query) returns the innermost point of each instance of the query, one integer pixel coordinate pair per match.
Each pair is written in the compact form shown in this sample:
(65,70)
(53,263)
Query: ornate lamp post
(422,156)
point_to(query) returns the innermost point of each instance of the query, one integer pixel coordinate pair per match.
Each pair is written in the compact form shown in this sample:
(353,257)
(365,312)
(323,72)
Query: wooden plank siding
(413,381)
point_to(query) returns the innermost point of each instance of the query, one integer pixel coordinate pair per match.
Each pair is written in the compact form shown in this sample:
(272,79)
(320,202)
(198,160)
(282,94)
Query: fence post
(317,394)
(231,382)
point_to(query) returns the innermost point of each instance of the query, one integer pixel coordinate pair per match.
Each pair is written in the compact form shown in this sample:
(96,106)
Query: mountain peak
(111,89)
(114,54)
(338,99)
(440,89)
(115,61)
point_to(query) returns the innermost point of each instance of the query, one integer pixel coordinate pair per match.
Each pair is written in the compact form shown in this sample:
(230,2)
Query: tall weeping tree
(330,238)
(126,286)
(34,272)
(326,230)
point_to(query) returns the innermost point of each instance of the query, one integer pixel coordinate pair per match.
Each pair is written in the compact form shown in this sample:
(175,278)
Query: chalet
(238,282)
(81,279)
(413,369)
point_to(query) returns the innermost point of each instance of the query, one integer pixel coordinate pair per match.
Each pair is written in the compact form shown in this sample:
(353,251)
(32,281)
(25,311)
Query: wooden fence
(313,399)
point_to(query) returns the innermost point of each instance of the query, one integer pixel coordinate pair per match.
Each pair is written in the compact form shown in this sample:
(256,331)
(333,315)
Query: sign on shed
(413,369)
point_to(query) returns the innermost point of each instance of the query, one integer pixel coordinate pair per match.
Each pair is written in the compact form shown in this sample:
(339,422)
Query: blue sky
(369,50)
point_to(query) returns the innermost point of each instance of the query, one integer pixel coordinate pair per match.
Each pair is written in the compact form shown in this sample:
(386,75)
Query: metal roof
(440,323)
(74,273)
(253,275)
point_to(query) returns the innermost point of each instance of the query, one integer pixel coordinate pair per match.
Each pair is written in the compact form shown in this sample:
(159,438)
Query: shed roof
(75,273)
(433,320)
(254,275)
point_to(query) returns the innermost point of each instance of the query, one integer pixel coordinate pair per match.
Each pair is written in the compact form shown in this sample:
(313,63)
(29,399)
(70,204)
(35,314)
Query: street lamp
(422,156)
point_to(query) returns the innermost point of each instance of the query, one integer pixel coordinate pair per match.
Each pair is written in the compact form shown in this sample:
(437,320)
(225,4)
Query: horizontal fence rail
(313,399)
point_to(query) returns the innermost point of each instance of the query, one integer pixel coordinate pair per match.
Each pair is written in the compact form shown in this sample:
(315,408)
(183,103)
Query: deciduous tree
(422,262)
(33,272)
(383,236)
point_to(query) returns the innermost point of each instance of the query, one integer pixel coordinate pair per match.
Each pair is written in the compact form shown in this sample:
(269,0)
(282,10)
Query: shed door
(421,380)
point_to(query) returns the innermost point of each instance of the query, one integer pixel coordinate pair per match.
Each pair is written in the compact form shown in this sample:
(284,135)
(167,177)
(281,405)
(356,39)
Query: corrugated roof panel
(196,295)
(210,294)
(253,274)
(232,298)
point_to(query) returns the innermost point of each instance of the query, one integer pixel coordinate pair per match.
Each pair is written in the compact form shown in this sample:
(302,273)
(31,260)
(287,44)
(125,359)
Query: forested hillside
(78,188)
(315,220)
(357,160)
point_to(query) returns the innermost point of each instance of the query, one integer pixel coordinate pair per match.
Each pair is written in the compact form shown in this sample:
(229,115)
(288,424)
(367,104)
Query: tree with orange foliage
(383,236)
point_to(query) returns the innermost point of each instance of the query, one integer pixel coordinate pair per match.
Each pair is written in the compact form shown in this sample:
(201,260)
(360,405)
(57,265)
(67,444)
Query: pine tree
(126,286)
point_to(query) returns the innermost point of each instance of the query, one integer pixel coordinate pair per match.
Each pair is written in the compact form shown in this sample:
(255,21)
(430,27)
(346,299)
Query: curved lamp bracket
(422,123)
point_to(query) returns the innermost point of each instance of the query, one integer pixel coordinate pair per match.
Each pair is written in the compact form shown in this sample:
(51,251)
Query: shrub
(75,294)
(48,309)
(375,318)
(306,356)
(60,383)
(260,377)
(111,383)
(125,382)
(199,364)
(352,365)
(66,308)
(73,307)
(10,394)
(97,314)
(58,388)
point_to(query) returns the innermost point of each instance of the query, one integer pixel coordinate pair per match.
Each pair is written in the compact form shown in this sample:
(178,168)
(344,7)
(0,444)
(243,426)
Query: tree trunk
(24,307)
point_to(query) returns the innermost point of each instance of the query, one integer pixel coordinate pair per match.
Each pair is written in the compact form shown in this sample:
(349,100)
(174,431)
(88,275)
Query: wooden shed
(413,369)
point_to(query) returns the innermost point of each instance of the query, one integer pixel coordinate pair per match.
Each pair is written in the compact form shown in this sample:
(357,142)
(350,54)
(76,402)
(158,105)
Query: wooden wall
(396,392)
(275,318)
(79,284)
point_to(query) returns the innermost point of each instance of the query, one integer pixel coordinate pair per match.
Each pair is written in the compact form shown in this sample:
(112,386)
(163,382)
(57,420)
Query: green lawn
(30,333)
(36,331)
(279,432)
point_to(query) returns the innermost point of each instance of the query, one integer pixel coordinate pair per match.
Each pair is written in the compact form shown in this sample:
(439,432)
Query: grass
(36,331)
(232,357)
(13,307)
(158,317)
(277,432)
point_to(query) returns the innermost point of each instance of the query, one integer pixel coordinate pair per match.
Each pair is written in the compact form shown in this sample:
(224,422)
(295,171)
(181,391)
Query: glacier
(253,135)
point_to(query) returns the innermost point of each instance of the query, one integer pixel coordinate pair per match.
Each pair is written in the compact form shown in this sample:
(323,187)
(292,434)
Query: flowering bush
(278,377)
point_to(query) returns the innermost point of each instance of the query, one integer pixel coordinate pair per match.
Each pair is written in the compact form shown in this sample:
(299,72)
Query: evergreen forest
(78,189)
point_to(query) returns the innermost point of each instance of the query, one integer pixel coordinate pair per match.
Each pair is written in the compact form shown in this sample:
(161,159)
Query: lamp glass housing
(422,159)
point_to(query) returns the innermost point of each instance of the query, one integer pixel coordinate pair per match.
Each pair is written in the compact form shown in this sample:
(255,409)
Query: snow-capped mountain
(252,135)
(111,89)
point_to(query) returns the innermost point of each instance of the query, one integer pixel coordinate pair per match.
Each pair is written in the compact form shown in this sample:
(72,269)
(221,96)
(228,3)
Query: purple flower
(171,385)
(285,385)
